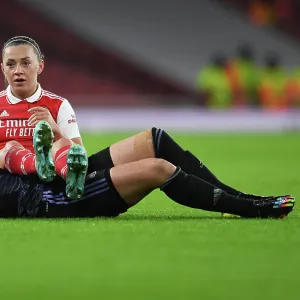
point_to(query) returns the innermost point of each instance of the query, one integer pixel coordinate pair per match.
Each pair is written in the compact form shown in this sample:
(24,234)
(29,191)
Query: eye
(26,63)
(10,64)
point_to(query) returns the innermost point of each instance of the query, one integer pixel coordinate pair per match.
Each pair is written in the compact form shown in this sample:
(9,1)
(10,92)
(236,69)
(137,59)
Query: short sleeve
(66,121)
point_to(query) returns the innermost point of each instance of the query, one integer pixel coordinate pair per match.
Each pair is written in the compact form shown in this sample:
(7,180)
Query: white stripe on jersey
(52,96)
(3,93)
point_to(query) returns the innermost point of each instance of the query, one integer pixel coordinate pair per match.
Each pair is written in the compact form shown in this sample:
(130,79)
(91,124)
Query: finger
(37,109)
(30,118)
(41,117)
(34,111)
(39,114)
(33,120)
(34,123)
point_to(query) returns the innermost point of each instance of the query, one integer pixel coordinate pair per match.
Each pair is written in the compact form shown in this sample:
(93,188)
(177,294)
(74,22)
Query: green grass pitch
(160,250)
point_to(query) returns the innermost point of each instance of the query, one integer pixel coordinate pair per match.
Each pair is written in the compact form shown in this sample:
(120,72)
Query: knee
(161,169)
(11,144)
(63,142)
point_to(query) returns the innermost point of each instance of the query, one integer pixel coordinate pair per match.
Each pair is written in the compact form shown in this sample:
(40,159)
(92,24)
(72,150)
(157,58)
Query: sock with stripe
(20,161)
(191,191)
(165,147)
(60,161)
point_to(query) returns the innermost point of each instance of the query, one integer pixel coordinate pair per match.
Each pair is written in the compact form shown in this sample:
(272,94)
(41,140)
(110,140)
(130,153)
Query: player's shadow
(171,218)
(139,218)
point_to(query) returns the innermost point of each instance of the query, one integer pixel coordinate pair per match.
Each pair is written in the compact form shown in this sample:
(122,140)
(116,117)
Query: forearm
(58,133)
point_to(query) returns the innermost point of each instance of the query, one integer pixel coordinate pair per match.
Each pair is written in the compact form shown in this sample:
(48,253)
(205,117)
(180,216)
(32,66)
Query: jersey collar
(14,100)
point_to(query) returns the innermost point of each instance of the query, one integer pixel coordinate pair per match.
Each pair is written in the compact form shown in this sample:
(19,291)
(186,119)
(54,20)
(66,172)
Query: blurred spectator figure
(261,12)
(244,76)
(213,83)
(293,88)
(274,83)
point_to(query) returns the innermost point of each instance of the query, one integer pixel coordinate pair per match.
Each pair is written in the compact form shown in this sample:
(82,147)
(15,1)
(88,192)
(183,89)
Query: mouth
(19,80)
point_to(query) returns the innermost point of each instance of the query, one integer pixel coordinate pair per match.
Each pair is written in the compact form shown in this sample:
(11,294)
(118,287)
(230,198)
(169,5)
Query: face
(21,68)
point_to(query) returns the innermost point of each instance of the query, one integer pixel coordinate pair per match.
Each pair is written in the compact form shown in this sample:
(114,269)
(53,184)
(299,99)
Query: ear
(41,67)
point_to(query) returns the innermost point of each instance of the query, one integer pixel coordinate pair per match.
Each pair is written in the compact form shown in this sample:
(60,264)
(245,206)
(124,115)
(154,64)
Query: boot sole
(42,142)
(77,163)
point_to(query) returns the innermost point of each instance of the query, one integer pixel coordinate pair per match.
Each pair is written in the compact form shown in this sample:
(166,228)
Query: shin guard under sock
(20,161)
(191,191)
(165,147)
(61,161)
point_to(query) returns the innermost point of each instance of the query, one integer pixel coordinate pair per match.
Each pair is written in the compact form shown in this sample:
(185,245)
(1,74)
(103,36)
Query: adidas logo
(217,195)
(4,114)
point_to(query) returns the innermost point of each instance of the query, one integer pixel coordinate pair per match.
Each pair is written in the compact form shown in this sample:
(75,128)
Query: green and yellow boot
(77,162)
(42,142)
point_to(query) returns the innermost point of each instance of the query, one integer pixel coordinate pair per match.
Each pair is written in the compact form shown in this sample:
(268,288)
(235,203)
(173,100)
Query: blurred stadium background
(202,70)
(230,64)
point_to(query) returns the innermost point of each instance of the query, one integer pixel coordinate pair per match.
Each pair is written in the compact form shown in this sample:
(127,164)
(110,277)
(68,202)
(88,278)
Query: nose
(18,69)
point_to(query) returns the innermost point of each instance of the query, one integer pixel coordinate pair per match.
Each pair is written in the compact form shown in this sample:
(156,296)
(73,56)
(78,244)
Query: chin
(20,91)
(20,88)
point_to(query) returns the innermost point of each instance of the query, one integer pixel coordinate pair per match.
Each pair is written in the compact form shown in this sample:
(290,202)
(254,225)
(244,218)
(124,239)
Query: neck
(25,94)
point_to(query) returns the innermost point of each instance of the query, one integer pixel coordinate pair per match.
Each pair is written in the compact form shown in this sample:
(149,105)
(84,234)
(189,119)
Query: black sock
(191,191)
(165,147)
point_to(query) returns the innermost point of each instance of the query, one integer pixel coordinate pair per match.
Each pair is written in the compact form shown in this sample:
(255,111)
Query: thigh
(132,149)
(136,179)
(2,158)
(100,199)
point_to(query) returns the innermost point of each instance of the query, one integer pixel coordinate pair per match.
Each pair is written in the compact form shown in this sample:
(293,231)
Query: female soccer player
(23,104)
(25,100)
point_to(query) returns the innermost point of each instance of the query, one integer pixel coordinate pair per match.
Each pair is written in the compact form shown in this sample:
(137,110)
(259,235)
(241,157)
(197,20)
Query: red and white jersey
(14,116)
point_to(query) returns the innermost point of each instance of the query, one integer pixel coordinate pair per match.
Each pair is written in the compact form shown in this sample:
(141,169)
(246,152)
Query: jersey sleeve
(66,121)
